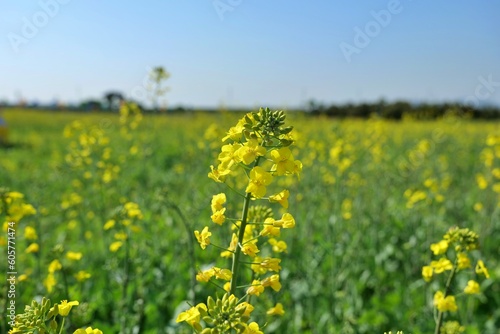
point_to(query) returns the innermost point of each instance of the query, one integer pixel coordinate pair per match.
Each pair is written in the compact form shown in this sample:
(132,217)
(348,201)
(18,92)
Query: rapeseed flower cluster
(454,252)
(44,318)
(255,153)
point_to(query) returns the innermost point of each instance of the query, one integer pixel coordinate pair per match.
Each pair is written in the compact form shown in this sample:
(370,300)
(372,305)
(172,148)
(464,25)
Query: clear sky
(277,53)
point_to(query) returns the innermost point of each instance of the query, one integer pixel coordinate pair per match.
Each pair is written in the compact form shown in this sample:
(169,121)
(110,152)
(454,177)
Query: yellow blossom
(82,276)
(439,248)
(286,221)
(427,272)
(33,248)
(463,261)
(250,249)
(49,282)
(250,151)
(115,246)
(442,265)
(276,310)
(66,306)
(89,330)
(223,274)
(219,174)
(54,266)
(278,246)
(481,269)
(255,289)
(109,224)
(444,304)
(253,328)
(281,198)
(269,228)
(272,281)
(203,237)
(218,217)
(247,307)
(30,233)
(259,180)
(218,202)
(283,161)
(205,275)
(74,256)
(472,287)
(192,316)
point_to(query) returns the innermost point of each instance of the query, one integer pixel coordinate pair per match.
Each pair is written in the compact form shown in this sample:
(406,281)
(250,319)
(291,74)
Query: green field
(372,197)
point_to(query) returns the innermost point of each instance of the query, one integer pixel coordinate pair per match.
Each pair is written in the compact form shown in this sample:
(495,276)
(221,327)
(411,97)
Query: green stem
(446,292)
(236,256)
(62,325)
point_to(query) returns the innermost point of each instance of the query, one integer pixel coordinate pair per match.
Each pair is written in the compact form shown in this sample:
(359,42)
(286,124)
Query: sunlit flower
(442,265)
(218,217)
(427,272)
(481,269)
(439,248)
(272,281)
(259,179)
(74,256)
(66,306)
(472,287)
(88,330)
(444,304)
(54,266)
(203,237)
(463,261)
(33,248)
(256,288)
(253,328)
(281,198)
(276,310)
(115,246)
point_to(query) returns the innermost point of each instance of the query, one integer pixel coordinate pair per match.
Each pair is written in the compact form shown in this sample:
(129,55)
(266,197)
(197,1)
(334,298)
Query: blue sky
(277,53)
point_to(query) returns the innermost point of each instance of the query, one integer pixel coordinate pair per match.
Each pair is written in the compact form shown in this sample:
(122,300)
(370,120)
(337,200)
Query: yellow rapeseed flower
(82,276)
(54,266)
(218,217)
(253,328)
(472,287)
(259,179)
(115,246)
(463,261)
(74,256)
(88,330)
(272,281)
(444,304)
(33,248)
(439,248)
(442,265)
(66,306)
(218,202)
(203,237)
(481,269)
(276,310)
(427,272)
(281,198)
(256,288)
(30,233)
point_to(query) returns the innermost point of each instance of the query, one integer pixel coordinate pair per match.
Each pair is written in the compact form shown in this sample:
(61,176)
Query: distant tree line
(400,109)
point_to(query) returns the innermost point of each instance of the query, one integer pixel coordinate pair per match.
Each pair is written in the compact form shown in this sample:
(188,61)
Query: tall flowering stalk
(257,151)
(454,252)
